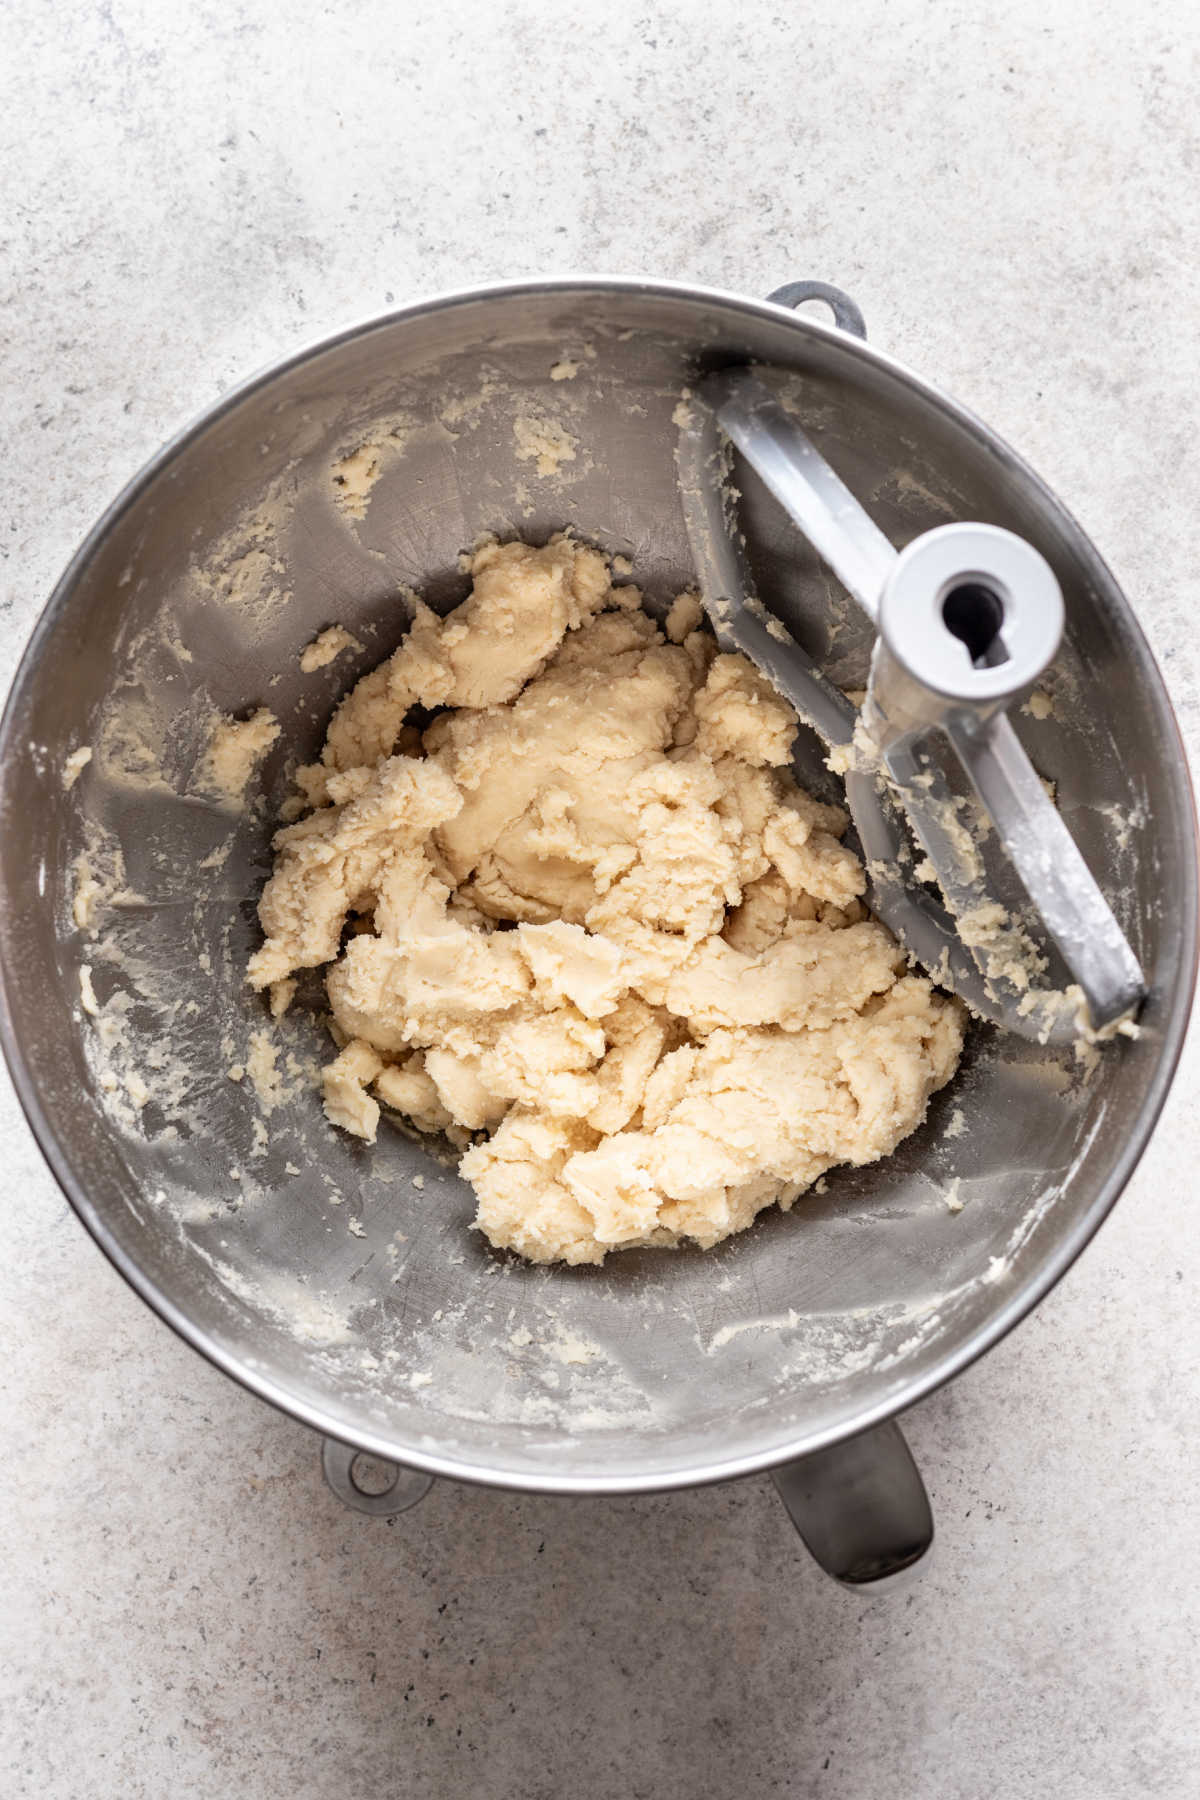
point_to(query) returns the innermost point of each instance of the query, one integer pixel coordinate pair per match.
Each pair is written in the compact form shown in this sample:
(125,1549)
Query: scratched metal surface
(313,1267)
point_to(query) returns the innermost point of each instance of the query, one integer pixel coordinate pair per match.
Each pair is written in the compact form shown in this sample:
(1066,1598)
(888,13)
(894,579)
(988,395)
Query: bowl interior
(315,1267)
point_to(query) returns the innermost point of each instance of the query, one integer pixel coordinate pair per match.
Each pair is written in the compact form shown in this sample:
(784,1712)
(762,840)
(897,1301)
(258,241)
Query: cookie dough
(327,645)
(586,924)
(235,748)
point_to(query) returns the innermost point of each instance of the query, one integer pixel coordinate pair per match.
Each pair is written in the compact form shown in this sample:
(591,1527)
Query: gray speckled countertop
(186,1609)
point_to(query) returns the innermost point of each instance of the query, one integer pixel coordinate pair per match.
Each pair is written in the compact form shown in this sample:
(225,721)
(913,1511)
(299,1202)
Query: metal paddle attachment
(968,617)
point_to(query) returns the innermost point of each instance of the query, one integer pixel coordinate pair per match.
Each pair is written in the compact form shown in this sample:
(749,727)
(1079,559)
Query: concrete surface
(188,193)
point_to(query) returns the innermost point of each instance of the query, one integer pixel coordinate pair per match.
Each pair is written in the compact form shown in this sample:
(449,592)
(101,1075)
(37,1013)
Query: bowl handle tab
(861,1509)
(847,314)
(406,1487)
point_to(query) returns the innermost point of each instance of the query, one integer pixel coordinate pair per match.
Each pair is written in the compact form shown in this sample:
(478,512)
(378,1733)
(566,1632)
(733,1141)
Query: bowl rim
(1044,1273)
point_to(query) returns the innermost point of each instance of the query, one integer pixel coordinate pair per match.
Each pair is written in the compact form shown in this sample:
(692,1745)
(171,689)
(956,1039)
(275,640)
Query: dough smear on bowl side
(599,936)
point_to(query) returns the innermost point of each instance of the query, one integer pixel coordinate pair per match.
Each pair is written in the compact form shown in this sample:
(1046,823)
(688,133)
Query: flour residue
(235,749)
(544,442)
(957,1125)
(87,993)
(75,765)
(353,478)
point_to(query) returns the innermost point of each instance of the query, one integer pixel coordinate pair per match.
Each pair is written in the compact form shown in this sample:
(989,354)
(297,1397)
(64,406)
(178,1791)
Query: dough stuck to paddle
(599,937)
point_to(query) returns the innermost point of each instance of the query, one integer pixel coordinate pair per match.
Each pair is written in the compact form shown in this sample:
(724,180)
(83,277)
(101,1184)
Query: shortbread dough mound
(587,925)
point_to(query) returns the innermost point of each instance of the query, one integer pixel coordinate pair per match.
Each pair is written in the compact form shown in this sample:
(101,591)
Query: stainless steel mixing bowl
(312,1268)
